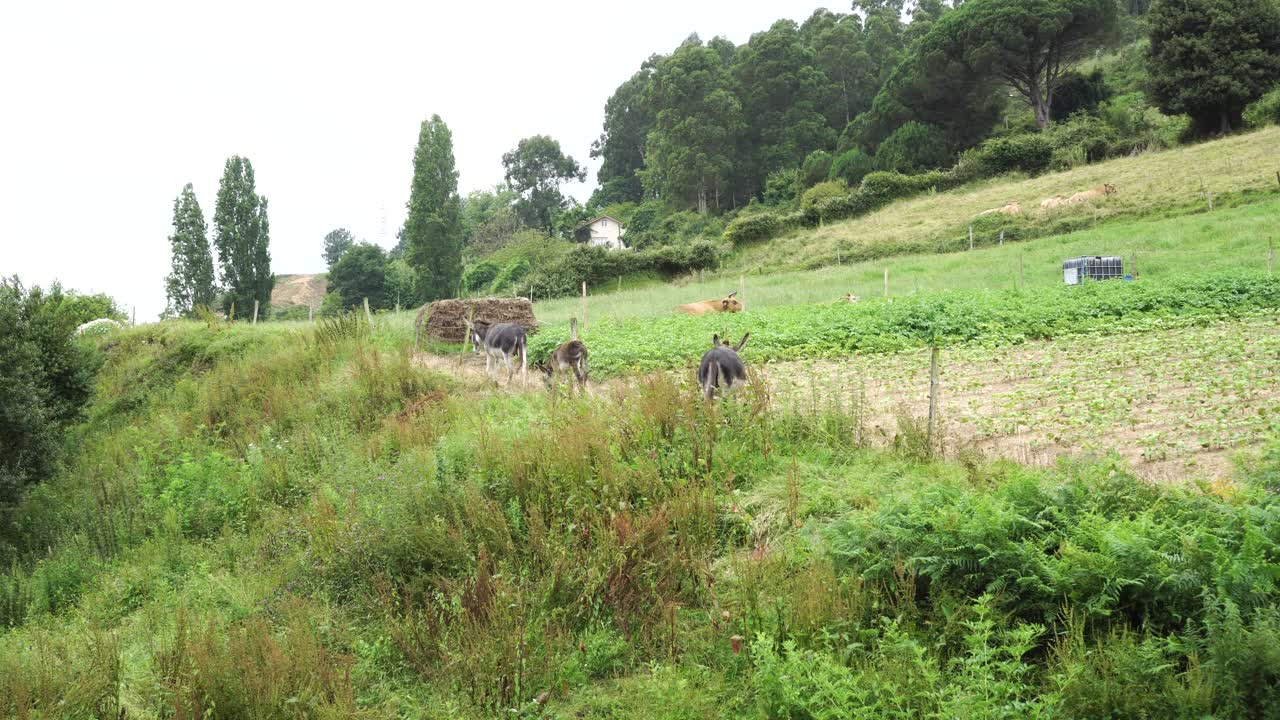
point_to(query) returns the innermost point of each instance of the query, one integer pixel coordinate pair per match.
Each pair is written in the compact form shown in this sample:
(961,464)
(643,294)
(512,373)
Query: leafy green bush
(480,276)
(511,275)
(913,148)
(1264,111)
(816,168)
(888,185)
(290,312)
(782,187)
(1082,139)
(821,192)
(1077,92)
(45,381)
(851,166)
(750,228)
(1029,153)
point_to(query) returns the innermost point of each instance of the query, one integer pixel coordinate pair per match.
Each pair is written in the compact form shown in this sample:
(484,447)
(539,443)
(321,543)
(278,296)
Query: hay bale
(446,320)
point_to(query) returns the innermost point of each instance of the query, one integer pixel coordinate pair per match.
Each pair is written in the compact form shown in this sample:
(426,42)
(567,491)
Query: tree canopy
(1027,44)
(1211,58)
(535,170)
(242,237)
(191,281)
(337,242)
(432,231)
(361,273)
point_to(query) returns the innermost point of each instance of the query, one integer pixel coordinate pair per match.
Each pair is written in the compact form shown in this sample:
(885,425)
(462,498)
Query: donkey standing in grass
(722,366)
(569,356)
(500,343)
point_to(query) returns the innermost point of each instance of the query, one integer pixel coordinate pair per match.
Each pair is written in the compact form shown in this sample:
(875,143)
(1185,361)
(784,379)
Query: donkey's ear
(715,340)
(742,343)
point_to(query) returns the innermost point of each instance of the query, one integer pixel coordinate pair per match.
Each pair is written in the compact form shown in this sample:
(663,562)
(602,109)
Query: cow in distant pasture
(1013,207)
(568,357)
(721,366)
(500,343)
(1097,193)
(1055,202)
(729,303)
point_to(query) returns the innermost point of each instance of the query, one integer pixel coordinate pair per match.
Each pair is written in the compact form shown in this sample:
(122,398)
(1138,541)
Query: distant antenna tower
(383,210)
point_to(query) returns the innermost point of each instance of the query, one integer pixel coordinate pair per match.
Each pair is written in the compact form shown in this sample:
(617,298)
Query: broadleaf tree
(242,237)
(361,273)
(535,169)
(432,233)
(1027,44)
(1211,58)
(691,148)
(191,281)
(337,242)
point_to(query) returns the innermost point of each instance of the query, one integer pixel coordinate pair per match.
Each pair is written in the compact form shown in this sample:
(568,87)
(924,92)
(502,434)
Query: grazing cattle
(1097,193)
(729,303)
(501,342)
(1054,202)
(570,356)
(1013,207)
(722,366)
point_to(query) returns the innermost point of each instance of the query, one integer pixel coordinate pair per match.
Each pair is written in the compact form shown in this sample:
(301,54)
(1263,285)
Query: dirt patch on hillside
(305,290)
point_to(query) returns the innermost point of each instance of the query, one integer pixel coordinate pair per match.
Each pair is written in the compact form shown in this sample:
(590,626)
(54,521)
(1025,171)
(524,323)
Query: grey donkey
(722,366)
(570,356)
(500,343)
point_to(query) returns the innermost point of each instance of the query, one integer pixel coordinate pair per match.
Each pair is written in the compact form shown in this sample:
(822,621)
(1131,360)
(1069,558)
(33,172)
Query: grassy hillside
(1199,243)
(265,521)
(1234,169)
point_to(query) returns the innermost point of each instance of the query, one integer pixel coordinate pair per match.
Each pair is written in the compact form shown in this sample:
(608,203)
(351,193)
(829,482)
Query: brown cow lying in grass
(728,303)
(1013,207)
(1083,196)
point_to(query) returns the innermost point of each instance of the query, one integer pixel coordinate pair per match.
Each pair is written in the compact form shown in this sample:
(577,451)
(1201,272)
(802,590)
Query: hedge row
(594,265)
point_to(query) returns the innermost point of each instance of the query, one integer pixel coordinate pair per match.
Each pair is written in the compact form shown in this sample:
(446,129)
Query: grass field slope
(279,520)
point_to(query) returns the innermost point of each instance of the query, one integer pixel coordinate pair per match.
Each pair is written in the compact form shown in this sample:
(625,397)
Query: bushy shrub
(816,168)
(45,381)
(1029,153)
(782,187)
(823,191)
(1077,92)
(480,276)
(290,312)
(750,228)
(1082,139)
(913,148)
(204,494)
(1264,111)
(887,185)
(851,166)
(511,275)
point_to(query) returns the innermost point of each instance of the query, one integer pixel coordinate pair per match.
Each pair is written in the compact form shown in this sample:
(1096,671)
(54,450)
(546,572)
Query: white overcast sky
(108,108)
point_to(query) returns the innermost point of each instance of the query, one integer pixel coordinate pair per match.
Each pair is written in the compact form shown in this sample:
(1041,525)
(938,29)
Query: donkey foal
(569,356)
(721,365)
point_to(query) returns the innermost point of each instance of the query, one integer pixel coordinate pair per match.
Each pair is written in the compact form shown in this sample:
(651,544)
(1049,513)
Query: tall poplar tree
(191,281)
(433,229)
(242,237)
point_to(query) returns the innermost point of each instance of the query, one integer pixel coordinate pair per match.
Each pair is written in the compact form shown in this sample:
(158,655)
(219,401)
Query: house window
(604,223)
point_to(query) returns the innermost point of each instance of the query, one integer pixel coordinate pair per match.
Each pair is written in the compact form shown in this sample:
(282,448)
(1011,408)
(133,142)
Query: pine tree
(433,229)
(191,281)
(242,236)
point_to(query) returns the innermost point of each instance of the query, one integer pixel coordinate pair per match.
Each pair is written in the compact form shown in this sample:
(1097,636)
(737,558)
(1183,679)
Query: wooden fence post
(886,282)
(742,285)
(367,314)
(255,311)
(584,304)
(311,313)
(970,237)
(933,396)
(232,317)
(1001,238)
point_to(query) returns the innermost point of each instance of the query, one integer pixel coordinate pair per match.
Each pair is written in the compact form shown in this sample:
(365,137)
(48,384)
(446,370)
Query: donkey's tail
(713,379)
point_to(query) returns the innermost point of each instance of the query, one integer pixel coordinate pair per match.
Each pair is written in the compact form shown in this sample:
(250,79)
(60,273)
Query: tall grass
(343,534)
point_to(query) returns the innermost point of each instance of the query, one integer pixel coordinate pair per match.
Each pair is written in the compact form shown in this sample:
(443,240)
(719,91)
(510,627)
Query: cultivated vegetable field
(1175,402)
